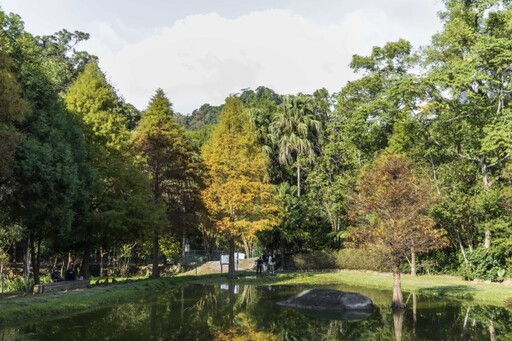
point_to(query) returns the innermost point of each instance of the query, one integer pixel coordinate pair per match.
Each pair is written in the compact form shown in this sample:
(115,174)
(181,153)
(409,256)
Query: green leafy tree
(469,112)
(46,167)
(119,209)
(60,57)
(12,109)
(368,109)
(167,157)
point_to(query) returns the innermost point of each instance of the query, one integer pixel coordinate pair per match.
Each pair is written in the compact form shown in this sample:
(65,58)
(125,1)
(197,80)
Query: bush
(354,259)
(508,302)
(483,264)
(316,260)
(351,259)
(16,284)
(438,262)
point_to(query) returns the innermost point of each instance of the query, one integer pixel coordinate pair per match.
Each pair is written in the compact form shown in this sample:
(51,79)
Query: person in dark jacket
(70,274)
(259,265)
(55,275)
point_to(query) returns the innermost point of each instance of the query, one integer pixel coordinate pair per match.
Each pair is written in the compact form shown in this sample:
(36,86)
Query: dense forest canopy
(86,177)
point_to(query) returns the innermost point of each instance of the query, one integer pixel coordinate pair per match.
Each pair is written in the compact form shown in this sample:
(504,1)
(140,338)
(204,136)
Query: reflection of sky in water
(229,311)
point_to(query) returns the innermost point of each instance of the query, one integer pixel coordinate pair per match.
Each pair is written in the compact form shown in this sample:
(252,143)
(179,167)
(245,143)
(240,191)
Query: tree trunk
(247,248)
(463,251)
(492,331)
(155,273)
(466,318)
(398,322)
(26,265)
(182,310)
(398,299)
(85,261)
(413,262)
(298,181)
(2,277)
(33,256)
(414,313)
(103,253)
(282,250)
(487,242)
(13,252)
(70,260)
(414,308)
(231,270)
(232,302)
(183,248)
(208,247)
(35,259)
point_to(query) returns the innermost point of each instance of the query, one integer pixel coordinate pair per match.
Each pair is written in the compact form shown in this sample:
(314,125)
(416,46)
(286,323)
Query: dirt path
(214,267)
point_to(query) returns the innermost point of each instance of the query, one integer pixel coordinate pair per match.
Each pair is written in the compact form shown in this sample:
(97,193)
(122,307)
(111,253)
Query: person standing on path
(259,265)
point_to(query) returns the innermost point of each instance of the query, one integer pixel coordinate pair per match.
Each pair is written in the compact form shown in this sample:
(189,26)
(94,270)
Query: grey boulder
(351,304)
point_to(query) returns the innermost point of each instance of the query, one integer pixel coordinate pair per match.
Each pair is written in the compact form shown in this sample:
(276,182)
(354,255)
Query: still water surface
(237,312)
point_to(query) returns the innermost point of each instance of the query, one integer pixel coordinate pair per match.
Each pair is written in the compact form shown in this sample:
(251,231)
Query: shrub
(355,259)
(315,260)
(438,262)
(351,259)
(483,264)
(16,284)
(508,302)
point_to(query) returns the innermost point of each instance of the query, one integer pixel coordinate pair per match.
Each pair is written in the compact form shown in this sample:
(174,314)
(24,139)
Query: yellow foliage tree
(238,196)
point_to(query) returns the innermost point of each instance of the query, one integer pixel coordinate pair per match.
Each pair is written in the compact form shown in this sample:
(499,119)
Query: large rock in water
(352,305)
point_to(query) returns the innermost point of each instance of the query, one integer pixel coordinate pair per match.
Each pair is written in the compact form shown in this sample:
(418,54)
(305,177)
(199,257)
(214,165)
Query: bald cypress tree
(239,195)
(167,157)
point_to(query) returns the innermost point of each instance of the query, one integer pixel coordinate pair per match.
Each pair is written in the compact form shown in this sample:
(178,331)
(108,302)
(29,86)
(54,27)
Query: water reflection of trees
(249,313)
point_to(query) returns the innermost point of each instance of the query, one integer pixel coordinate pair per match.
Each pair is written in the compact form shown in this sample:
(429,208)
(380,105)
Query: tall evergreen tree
(238,194)
(167,157)
(119,209)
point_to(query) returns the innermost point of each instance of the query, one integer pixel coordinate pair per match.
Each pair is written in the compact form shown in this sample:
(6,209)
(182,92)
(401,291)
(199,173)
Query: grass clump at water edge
(30,307)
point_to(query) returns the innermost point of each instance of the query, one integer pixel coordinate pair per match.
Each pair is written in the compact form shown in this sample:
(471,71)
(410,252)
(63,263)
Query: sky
(201,51)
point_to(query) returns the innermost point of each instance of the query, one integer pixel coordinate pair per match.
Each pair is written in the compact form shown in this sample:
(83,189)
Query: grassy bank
(34,307)
(31,307)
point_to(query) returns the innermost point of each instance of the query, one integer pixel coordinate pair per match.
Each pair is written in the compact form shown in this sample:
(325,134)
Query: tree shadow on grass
(456,291)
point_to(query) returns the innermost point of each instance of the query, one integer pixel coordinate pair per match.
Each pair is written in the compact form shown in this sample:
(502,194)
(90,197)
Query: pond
(244,312)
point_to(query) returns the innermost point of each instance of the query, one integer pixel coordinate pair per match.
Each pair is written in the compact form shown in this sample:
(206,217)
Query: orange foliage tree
(238,196)
(391,215)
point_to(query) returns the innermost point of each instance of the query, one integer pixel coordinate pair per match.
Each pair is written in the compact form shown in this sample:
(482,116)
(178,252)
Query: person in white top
(271,264)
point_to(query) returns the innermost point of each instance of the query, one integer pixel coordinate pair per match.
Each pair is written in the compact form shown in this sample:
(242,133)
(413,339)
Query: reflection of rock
(337,304)
(330,315)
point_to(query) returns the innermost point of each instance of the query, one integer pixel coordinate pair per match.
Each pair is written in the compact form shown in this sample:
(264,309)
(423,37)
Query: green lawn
(441,286)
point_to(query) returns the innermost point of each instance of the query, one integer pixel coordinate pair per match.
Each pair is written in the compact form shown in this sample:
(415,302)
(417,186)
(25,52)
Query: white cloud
(203,58)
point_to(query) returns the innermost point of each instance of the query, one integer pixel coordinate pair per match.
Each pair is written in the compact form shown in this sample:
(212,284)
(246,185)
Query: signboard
(224,259)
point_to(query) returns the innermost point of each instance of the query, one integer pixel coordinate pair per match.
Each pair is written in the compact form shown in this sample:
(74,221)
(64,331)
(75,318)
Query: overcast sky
(200,51)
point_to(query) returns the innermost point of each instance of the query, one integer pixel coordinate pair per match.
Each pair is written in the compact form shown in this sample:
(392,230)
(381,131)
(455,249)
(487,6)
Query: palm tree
(295,131)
